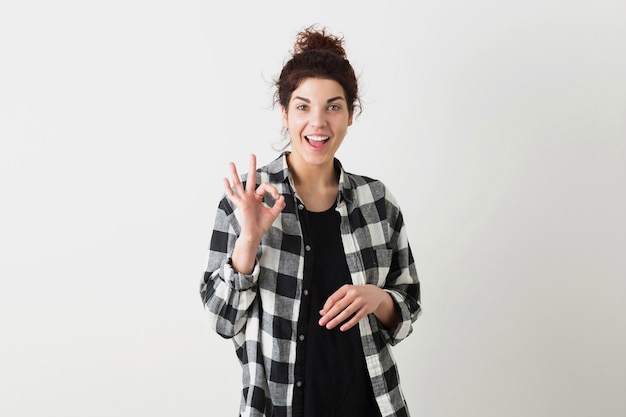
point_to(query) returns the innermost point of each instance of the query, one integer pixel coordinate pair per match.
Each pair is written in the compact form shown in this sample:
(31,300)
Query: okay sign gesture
(256,218)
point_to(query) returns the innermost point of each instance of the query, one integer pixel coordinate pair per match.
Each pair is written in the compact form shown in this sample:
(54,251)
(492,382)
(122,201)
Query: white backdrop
(500,126)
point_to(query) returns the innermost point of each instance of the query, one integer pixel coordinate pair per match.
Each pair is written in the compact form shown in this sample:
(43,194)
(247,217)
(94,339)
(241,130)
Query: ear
(284,113)
(350,121)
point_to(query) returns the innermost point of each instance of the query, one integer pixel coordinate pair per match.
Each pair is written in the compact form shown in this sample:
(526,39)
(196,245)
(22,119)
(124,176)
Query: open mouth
(316,141)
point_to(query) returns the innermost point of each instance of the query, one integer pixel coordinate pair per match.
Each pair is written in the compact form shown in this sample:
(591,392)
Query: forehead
(318,89)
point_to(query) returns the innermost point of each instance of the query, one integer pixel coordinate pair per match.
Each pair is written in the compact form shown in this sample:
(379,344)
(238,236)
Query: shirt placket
(304,316)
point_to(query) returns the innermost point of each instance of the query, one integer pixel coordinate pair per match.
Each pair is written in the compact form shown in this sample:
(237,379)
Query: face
(317,119)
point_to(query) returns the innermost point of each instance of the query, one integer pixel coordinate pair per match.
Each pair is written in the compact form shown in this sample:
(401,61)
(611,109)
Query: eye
(302,107)
(334,107)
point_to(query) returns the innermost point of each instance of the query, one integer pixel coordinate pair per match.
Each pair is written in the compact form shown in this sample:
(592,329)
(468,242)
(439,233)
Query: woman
(310,271)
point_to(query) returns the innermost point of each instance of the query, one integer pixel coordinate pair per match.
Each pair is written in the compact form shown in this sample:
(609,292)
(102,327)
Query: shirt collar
(279,169)
(345,187)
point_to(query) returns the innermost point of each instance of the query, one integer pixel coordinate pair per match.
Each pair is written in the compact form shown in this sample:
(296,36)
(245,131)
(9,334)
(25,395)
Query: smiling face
(317,119)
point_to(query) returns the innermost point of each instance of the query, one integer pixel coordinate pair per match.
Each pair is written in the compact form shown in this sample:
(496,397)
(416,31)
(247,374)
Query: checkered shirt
(260,311)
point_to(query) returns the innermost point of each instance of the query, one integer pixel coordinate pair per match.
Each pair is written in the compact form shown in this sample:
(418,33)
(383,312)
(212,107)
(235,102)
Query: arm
(402,281)
(226,293)
(229,285)
(396,304)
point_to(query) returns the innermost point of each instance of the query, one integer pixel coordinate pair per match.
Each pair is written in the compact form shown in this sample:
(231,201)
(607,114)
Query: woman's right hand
(255,217)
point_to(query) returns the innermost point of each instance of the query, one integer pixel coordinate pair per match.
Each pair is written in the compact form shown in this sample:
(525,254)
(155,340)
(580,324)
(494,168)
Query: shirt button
(307,248)
(301,337)
(300,206)
(299,384)
(306,292)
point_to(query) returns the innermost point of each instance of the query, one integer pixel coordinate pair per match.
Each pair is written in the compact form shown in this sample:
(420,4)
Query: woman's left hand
(351,303)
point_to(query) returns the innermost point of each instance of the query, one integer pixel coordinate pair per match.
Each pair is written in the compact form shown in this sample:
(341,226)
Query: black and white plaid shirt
(260,311)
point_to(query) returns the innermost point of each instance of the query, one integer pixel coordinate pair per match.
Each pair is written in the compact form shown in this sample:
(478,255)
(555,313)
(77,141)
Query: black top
(336,382)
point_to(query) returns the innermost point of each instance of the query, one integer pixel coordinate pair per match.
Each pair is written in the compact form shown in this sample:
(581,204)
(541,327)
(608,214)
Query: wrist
(387,312)
(243,256)
(245,239)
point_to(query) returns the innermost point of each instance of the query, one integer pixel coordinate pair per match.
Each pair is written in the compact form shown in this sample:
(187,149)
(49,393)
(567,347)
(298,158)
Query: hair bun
(311,39)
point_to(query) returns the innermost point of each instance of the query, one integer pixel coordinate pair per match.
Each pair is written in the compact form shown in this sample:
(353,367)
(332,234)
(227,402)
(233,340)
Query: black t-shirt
(336,382)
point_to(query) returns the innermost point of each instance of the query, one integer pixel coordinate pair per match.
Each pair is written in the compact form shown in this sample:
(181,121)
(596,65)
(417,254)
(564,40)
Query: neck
(313,176)
(316,185)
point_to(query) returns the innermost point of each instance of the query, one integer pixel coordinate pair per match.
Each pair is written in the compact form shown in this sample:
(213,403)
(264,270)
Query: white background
(500,126)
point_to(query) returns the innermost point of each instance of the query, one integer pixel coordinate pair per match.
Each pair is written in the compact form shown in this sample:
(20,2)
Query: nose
(318,118)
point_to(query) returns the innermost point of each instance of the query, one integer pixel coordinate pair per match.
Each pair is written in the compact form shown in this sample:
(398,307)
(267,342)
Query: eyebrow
(330,100)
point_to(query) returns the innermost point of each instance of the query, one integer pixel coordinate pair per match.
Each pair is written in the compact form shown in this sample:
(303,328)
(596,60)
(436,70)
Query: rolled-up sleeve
(402,282)
(226,293)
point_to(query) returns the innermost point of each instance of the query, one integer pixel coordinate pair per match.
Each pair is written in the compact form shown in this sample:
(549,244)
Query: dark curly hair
(317,54)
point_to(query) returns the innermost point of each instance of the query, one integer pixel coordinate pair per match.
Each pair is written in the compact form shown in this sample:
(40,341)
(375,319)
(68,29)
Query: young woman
(310,271)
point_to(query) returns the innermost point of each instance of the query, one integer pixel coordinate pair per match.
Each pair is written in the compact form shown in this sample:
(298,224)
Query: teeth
(317,138)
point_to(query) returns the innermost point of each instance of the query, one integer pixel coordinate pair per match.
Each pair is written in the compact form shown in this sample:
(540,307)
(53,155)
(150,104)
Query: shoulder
(371,196)
(365,187)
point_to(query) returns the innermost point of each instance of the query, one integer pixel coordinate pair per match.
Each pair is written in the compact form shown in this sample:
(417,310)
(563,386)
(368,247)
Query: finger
(278,206)
(333,305)
(230,194)
(338,319)
(266,188)
(328,313)
(227,187)
(342,316)
(279,200)
(354,320)
(334,297)
(336,314)
(235,178)
(251,180)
